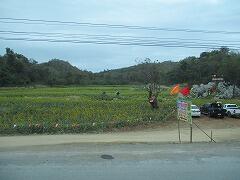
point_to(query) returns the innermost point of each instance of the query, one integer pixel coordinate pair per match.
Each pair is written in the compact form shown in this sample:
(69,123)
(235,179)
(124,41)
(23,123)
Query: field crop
(83,109)
(78,109)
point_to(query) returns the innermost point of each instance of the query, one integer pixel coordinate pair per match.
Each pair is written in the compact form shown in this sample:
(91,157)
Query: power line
(196,46)
(122,26)
(120,39)
(111,36)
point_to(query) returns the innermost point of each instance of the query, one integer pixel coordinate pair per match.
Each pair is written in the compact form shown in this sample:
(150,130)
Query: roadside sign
(184,110)
(217,79)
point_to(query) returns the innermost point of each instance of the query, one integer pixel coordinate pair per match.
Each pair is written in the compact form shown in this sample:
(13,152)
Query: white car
(232,110)
(195,111)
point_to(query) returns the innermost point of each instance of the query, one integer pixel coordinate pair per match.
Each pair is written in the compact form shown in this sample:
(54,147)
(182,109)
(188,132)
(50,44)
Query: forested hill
(18,70)
(138,74)
(62,73)
(195,70)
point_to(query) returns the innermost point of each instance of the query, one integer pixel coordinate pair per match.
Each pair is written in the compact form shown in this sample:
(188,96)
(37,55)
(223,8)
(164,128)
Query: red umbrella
(185,91)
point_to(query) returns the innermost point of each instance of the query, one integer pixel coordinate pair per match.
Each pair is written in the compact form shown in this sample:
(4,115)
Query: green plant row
(79,109)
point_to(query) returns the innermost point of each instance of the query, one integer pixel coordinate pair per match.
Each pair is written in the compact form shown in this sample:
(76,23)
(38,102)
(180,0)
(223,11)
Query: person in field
(153,100)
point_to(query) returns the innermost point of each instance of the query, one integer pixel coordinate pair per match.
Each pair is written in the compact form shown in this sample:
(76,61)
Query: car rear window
(194,107)
(232,106)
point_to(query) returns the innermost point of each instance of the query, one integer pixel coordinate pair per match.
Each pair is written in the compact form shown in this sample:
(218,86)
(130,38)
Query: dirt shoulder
(227,129)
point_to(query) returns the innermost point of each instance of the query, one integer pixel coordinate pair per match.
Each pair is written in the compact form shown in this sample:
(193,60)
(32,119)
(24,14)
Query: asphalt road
(219,161)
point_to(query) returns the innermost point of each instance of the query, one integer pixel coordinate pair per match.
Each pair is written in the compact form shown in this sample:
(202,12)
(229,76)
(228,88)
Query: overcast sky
(221,15)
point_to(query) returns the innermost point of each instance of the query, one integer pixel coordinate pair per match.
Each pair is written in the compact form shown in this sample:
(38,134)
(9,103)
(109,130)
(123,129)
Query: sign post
(190,133)
(179,134)
(184,114)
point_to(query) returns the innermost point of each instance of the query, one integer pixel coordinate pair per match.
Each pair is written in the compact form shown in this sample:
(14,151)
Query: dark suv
(213,110)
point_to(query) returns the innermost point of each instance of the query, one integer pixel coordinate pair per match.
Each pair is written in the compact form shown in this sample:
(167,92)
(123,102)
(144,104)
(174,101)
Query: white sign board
(184,111)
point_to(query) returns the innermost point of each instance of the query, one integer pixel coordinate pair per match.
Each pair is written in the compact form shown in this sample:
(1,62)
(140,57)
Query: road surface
(140,161)
(141,154)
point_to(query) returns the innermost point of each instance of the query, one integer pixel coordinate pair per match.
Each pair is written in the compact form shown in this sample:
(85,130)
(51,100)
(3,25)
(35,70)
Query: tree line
(196,70)
(18,70)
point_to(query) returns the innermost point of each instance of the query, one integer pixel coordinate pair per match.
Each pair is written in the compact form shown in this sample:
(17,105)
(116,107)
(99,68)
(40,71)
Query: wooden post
(179,135)
(204,132)
(190,133)
(211,136)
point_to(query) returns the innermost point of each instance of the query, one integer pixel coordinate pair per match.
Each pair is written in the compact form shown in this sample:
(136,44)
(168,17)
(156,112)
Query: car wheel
(209,114)
(229,114)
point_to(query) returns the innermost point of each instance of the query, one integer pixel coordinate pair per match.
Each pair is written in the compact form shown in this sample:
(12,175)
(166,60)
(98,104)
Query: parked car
(232,110)
(213,110)
(195,111)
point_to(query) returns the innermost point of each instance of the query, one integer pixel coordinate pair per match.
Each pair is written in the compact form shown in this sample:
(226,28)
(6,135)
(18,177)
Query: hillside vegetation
(18,70)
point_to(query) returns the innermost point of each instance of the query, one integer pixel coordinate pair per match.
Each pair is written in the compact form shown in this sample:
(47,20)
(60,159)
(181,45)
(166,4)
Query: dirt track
(227,129)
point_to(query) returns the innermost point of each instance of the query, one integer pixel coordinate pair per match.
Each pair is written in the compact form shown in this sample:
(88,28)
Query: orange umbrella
(175,90)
